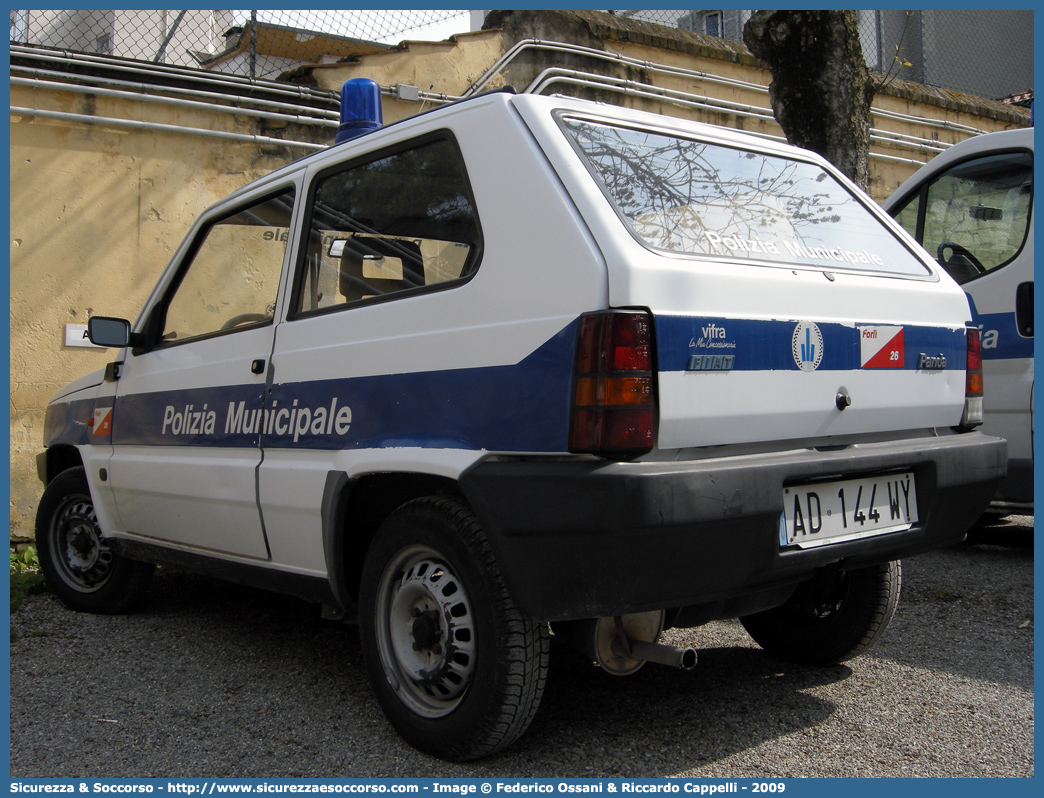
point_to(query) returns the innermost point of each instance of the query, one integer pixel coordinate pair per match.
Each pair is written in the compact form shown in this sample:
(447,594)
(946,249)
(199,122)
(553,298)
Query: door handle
(257,366)
(1024,309)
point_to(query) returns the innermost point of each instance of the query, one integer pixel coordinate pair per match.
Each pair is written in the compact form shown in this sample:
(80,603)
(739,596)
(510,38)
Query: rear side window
(975,216)
(692,197)
(401,222)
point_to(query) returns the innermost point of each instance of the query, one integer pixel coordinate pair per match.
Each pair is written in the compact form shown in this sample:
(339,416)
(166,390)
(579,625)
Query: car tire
(79,566)
(830,621)
(456,668)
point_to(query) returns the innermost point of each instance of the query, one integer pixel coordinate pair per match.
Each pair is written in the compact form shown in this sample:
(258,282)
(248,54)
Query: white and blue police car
(526,365)
(972,208)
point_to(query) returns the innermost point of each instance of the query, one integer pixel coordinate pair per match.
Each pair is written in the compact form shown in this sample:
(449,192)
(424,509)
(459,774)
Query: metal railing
(986,53)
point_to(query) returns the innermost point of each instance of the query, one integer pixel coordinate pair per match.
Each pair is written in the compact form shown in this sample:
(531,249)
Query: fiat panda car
(524,366)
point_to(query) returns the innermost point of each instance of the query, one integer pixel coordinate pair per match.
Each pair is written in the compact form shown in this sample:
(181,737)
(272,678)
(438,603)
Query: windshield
(688,196)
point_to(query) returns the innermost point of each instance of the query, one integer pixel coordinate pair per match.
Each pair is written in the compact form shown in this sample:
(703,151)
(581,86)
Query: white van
(972,208)
(527,365)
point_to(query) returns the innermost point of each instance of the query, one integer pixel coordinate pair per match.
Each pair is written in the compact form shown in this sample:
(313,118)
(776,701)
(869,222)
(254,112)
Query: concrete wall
(97,211)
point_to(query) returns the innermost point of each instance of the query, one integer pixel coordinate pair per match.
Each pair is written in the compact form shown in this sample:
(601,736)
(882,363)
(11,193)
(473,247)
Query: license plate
(833,512)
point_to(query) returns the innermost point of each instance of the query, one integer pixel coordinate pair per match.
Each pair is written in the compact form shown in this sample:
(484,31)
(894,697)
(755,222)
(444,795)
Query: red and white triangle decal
(103,421)
(881,347)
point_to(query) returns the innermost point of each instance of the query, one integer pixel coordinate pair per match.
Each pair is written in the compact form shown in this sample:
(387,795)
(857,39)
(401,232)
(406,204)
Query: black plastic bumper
(583,539)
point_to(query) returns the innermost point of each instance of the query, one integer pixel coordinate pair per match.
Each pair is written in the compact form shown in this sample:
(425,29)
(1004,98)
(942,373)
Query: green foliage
(26,576)
(27,560)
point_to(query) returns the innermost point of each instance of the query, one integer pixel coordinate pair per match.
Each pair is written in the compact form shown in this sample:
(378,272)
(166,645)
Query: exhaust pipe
(660,653)
(622,644)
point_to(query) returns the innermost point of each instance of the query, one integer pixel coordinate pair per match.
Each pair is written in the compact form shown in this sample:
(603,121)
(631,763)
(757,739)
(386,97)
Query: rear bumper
(581,539)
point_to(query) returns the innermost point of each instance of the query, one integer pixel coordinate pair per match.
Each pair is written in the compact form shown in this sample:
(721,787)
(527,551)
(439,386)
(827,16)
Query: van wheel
(76,560)
(457,670)
(830,620)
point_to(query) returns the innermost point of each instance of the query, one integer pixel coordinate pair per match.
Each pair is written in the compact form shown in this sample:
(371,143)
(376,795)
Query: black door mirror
(108,331)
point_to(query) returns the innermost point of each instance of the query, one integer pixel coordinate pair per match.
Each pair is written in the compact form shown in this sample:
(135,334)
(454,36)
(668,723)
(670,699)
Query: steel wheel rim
(425,631)
(83,558)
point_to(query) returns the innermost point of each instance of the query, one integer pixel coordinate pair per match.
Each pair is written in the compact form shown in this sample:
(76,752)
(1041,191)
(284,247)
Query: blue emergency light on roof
(360,108)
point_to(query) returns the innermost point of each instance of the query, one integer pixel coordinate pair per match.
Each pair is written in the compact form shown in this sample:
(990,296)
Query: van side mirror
(112,332)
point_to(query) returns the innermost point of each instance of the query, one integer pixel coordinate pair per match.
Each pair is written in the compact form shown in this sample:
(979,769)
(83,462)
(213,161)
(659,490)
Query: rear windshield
(681,195)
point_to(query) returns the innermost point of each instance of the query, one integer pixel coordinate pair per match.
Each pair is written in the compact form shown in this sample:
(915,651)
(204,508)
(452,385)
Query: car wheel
(77,562)
(458,671)
(830,620)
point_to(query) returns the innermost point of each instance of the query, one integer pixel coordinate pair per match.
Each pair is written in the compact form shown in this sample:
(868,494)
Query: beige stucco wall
(440,67)
(97,211)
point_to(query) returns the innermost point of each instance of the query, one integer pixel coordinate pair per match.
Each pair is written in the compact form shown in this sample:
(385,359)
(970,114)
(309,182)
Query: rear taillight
(614,410)
(973,382)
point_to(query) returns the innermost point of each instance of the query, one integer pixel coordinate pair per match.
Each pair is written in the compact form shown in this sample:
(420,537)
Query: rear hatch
(786,306)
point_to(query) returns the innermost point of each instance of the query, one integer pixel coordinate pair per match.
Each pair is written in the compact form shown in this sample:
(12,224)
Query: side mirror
(108,331)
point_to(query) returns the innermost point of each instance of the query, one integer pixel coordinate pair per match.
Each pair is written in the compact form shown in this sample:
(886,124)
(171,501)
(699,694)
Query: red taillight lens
(973,381)
(614,410)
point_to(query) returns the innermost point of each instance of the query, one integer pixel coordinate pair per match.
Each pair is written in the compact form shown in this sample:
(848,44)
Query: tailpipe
(672,656)
(622,644)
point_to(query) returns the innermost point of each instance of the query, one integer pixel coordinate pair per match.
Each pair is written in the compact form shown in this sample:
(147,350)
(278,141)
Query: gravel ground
(213,680)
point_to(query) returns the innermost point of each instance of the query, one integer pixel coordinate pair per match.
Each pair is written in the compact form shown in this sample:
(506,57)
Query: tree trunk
(821,89)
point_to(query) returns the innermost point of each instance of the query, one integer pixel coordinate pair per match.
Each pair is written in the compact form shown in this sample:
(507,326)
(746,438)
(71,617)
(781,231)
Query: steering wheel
(244,318)
(961,264)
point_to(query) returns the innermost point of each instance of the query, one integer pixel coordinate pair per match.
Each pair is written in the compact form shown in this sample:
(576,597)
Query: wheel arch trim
(352,508)
(334,514)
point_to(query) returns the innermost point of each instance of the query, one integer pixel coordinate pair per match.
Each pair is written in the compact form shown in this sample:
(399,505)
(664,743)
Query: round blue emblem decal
(807,345)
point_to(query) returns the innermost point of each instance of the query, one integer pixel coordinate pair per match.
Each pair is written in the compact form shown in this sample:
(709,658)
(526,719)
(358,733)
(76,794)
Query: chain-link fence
(259,44)
(987,53)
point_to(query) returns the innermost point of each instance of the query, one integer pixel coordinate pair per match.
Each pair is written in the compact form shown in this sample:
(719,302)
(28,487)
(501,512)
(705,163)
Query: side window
(233,275)
(402,221)
(975,216)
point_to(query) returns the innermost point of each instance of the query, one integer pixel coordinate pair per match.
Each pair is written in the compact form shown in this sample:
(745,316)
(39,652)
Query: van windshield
(681,195)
